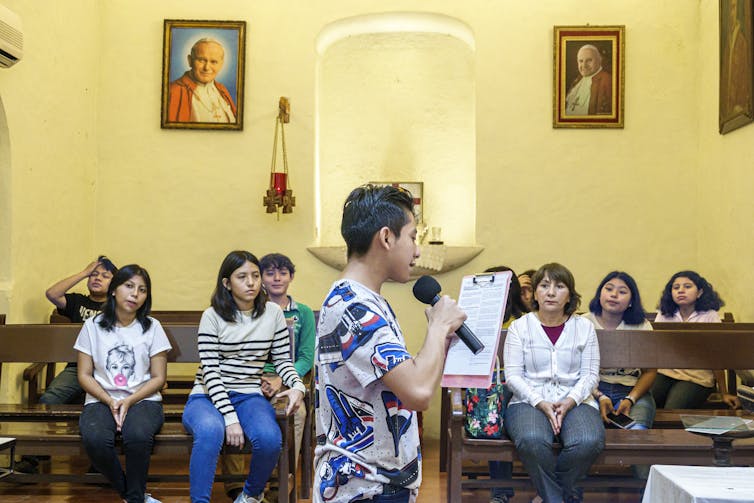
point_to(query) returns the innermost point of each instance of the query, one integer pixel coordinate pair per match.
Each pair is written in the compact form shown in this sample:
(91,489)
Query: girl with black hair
(688,297)
(237,335)
(122,365)
(617,306)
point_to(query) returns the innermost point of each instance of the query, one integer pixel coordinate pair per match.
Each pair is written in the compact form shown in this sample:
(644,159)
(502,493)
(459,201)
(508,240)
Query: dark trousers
(555,475)
(98,431)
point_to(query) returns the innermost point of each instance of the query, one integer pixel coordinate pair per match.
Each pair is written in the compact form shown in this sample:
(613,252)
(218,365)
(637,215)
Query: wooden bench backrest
(725,318)
(676,326)
(163,316)
(686,348)
(54,343)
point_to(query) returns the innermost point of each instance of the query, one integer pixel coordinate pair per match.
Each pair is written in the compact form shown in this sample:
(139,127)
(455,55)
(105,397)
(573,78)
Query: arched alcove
(5,210)
(395,102)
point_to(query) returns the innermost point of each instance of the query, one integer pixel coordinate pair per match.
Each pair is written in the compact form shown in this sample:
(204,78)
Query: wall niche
(395,101)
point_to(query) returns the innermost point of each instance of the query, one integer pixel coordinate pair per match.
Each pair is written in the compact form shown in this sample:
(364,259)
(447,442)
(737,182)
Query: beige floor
(433,487)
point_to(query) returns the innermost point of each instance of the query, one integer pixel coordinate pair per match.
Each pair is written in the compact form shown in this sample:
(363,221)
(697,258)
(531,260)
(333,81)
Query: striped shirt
(232,356)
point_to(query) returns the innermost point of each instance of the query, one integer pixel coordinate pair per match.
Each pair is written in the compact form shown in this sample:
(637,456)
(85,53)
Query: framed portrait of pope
(588,76)
(203,74)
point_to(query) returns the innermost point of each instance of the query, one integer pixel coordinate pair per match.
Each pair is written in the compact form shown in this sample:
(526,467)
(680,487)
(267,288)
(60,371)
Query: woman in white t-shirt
(617,306)
(122,364)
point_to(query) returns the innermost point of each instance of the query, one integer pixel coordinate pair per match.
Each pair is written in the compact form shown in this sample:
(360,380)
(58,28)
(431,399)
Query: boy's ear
(382,238)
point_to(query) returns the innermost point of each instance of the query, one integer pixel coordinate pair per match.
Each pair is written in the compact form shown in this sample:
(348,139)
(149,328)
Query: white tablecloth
(699,484)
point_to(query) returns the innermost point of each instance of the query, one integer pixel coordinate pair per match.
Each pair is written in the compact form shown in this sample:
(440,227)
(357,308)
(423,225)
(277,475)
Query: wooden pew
(674,327)
(53,429)
(677,326)
(725,318)
(698,349)
(33,373)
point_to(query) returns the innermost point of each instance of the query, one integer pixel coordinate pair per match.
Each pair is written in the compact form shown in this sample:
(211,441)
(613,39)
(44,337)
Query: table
(722,430)
(8,443)
(699,484)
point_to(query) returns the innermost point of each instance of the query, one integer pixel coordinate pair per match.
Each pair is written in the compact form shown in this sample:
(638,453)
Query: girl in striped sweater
(237,335)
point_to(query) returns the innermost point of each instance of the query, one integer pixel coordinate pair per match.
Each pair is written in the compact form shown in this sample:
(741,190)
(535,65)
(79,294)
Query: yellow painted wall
(725,227)
(50,108)
(93,172)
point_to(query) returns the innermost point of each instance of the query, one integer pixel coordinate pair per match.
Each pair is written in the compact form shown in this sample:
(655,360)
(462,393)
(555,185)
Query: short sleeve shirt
(79,308)
(366,437)
(121,356)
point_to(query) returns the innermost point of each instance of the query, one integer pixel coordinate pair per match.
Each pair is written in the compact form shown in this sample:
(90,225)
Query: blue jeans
(65,388)
(555,475)
(98,431)
(206,424)
(671,393)
(644,410)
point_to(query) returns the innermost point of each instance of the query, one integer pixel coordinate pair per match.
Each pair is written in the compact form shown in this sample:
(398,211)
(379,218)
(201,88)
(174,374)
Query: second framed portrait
(203,74)
(736,65)
(588,76)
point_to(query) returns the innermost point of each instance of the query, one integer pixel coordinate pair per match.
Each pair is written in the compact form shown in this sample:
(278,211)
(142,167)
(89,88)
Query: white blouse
(536,369)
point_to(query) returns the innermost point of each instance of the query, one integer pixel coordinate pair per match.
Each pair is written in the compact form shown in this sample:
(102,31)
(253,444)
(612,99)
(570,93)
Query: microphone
(427,290)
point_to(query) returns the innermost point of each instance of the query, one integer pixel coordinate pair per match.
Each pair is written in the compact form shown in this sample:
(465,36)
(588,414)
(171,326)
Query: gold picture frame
(195,54)
(588,77)
(736,65)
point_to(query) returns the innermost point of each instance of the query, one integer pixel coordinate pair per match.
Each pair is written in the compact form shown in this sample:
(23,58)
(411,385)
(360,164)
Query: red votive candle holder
(280,182)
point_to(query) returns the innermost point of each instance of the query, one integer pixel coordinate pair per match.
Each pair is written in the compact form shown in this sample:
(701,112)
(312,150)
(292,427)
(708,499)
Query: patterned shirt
(366,438)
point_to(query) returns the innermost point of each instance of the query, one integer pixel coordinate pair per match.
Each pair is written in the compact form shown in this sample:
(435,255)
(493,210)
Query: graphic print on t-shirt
(353,420)
(121,364)
(386,356)
(357,327)
(398,417)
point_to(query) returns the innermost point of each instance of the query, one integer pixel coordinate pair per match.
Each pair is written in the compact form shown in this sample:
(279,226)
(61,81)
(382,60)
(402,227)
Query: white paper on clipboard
(482,298)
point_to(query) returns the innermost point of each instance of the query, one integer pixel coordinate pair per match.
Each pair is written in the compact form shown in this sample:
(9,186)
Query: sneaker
(499,499)
(149,499)
(245,498)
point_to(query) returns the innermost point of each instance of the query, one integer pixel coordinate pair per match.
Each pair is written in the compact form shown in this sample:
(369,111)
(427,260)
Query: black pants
(98,431)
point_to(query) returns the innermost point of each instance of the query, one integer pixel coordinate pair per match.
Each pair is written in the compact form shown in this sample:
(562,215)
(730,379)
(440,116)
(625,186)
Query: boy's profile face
(404,252)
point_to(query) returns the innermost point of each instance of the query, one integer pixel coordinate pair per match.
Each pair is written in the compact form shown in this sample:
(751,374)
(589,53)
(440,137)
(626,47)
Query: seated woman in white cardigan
(552,365)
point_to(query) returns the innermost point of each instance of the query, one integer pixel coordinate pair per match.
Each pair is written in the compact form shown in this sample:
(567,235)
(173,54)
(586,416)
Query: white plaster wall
(399,106)
(725,227)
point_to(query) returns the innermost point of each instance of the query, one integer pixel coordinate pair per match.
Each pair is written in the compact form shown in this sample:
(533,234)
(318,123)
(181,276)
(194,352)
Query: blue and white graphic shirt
(367,441)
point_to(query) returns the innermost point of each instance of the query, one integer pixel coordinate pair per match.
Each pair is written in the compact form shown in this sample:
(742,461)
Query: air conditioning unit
(11,38)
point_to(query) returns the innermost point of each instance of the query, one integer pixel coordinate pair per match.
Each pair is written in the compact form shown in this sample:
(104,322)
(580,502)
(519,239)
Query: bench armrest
(32,371)
(457,410)
(32,374)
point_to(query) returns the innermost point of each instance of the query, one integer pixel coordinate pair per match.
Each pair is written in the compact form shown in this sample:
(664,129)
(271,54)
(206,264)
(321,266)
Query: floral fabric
(485,409)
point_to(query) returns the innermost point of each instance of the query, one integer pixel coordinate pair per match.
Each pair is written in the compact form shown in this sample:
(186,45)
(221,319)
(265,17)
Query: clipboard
(483,298)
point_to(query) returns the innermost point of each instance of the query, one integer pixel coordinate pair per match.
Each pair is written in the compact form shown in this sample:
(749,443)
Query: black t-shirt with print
(79,308)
